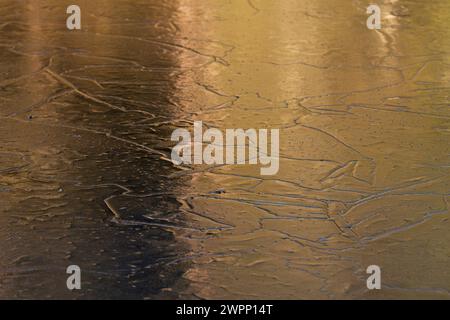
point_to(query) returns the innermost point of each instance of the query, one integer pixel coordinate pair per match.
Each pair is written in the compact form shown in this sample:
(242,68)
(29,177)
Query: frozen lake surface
(85,123)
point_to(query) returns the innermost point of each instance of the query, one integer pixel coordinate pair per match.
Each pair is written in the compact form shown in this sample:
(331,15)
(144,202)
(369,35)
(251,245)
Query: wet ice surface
(86,118)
